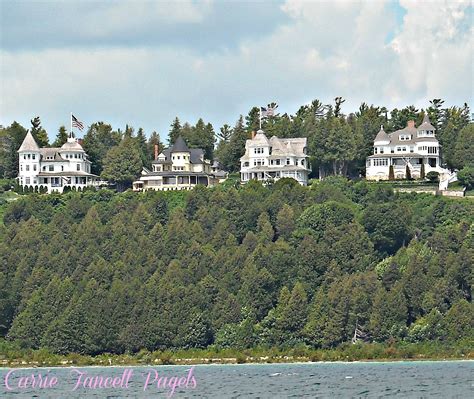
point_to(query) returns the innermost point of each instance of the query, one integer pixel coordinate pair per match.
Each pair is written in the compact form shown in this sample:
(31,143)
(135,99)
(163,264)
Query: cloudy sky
(145,62)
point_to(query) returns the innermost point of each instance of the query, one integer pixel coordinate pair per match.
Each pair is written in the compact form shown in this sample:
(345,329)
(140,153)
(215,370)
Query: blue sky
(144,62)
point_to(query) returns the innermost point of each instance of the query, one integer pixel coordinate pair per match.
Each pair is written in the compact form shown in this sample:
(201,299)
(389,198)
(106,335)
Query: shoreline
(231,362)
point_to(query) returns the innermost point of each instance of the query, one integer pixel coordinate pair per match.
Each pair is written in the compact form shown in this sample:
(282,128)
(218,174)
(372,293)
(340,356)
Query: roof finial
(381,127)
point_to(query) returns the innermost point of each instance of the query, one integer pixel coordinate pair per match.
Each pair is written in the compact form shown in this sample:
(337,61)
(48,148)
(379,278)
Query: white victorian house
(274,158)
(411,146)
(54,168)
(176,168)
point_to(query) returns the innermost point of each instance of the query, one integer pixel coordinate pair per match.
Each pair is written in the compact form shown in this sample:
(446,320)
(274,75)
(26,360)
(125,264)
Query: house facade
(414,147)
(272,159)
(54,168)
(176,168)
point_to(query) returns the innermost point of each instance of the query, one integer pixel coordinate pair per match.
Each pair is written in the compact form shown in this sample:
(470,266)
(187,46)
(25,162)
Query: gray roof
(72,145)
(426,124)
(52,152)
(402,155)
(29,143)
(265,168)
(280,146)
(195,155)
(65,174)
(179,145)
(382,136)
(177,173)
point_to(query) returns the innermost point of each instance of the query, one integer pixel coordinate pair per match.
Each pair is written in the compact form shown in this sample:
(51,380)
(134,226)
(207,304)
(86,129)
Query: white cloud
(324,50)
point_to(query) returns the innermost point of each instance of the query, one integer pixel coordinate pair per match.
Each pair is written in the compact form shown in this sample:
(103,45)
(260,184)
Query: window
(29,156)
(258,150)
(33,156)
(392,150)
(375,150)
(178,156)
(34,168)
(21,167)
(27,180)
(380,162)
(412,149)
(78,167)
(62,168)
(381,150)
(24,156)
(432,150)
(302,162)
(44,168)
(27,168)
(51,168)
(287,161)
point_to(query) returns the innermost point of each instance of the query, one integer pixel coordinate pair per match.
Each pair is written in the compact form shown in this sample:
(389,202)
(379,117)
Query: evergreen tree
(39,133)
(175,131)
(61,137)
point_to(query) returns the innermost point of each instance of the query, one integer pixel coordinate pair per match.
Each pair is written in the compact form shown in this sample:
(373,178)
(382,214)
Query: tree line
(338,143)
(235,267)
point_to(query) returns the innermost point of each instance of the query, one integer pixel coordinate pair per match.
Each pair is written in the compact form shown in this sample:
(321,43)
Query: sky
(143,63)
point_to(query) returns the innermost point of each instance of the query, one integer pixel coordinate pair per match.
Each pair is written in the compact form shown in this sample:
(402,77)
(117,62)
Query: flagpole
(70,119)
(260,119)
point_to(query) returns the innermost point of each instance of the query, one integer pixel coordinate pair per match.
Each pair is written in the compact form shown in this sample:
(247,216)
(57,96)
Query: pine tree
(39,133)
(175,131)
(61,137)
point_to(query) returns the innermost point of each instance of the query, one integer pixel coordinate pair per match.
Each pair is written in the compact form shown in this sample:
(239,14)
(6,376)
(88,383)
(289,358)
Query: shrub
(432,176)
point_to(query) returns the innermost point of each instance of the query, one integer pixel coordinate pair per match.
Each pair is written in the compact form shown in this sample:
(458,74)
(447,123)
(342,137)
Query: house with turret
(412,148)
(54,168)
(176,168)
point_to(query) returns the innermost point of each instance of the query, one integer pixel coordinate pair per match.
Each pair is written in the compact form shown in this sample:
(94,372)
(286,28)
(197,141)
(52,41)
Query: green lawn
(5,198)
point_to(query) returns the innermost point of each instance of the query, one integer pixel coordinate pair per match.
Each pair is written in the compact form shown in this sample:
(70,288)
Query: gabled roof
(426,124)
(29,143)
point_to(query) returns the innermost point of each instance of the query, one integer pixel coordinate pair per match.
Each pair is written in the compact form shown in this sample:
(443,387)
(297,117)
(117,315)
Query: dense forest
(337,143)
(236,267)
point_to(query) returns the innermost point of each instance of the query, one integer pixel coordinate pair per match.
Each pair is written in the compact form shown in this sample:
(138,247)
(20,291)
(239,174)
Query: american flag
(269,111)
(77,123)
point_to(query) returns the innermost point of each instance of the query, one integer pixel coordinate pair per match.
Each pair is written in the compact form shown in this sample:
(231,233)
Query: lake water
(452,379)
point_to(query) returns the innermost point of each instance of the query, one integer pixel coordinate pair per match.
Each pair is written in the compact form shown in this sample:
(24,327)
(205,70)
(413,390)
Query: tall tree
(38,132)
(175,131)
(99,139)
(61,137)
(122,164)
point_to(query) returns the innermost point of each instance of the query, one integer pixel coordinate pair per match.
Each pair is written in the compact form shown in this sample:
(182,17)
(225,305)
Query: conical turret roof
(426,124)
(382,136)
(179,145)
(29,143)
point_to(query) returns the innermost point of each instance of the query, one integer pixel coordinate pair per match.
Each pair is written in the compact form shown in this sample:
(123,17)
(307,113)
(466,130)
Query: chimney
(411,124)
(253,134)
(156,152)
